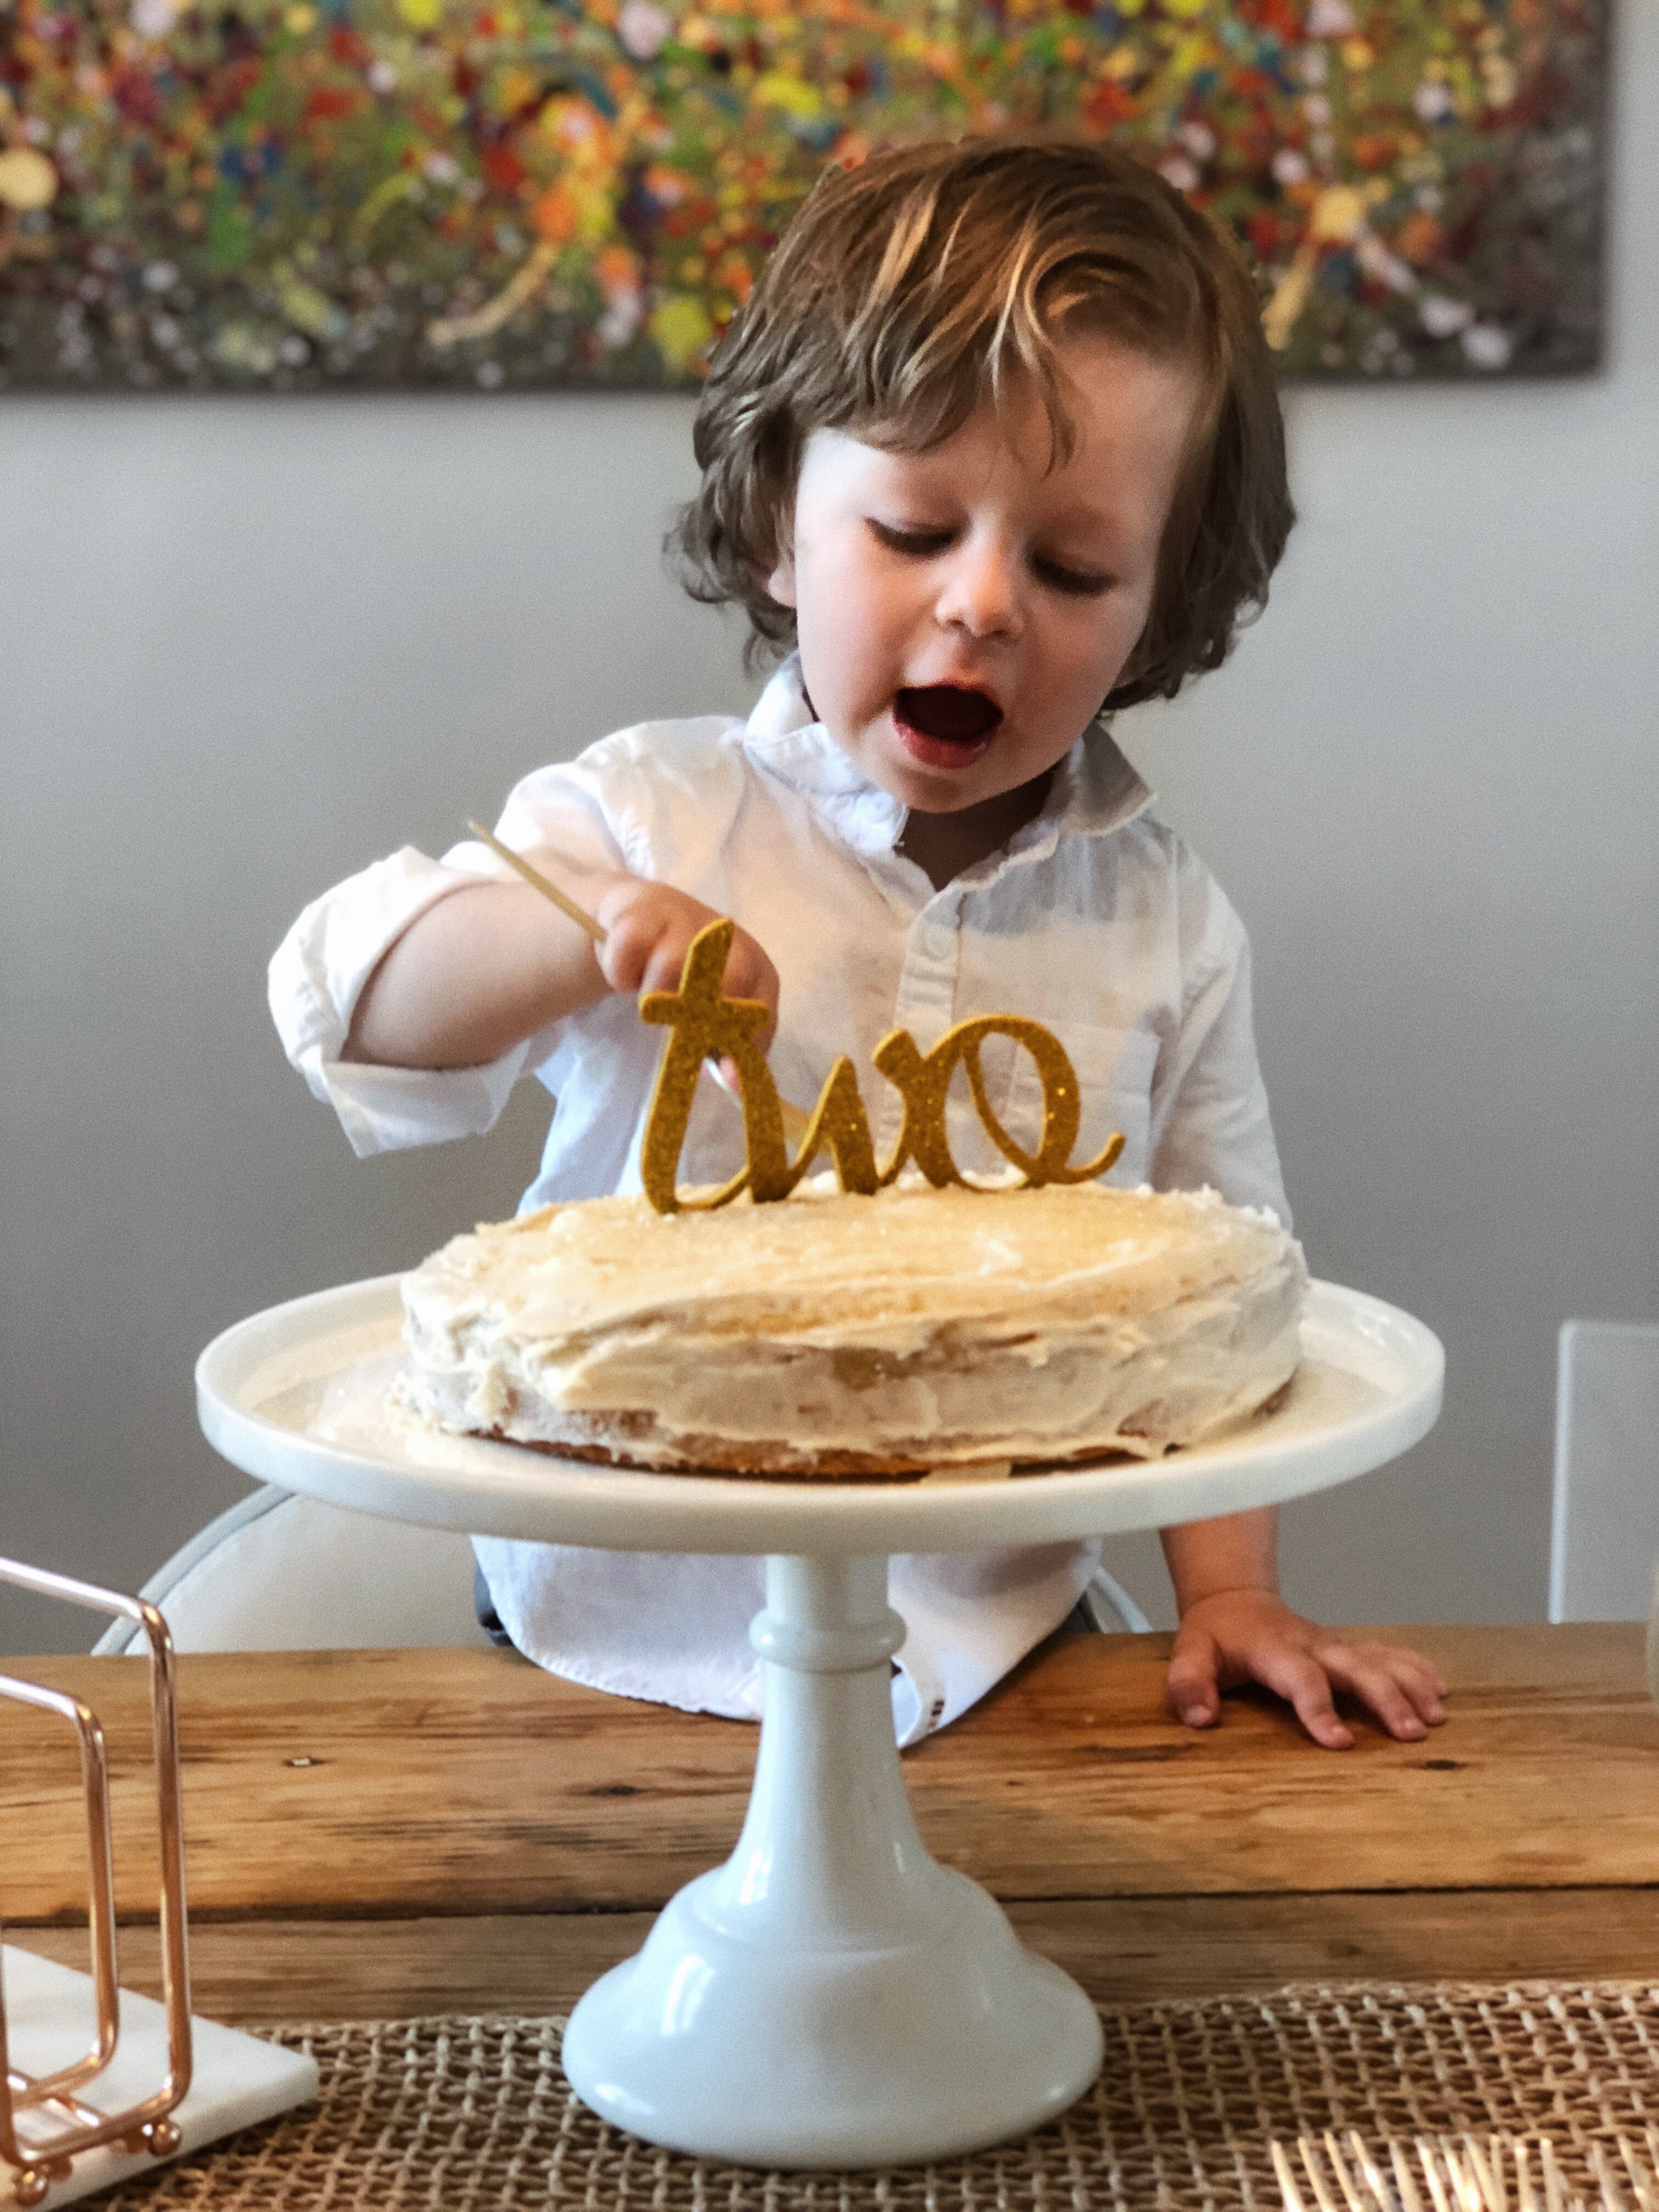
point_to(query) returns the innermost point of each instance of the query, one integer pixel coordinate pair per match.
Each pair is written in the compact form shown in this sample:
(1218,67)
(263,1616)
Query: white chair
(281,1573)
(1110,1607)
(1604,1536)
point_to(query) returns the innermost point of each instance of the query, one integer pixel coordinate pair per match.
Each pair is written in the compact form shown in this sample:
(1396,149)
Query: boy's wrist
(1190,1601)
(1236,1553)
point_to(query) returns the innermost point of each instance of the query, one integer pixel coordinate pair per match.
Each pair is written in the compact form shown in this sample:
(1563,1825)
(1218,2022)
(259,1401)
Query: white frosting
(920,1327)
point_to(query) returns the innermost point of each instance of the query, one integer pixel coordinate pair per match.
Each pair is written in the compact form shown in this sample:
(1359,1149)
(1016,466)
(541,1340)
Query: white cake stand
(830,1997)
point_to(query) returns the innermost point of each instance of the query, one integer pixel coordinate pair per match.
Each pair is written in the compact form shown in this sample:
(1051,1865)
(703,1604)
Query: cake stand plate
(830,1997)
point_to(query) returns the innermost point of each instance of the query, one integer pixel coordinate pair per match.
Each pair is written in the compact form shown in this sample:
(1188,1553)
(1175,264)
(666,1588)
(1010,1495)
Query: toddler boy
(992,450)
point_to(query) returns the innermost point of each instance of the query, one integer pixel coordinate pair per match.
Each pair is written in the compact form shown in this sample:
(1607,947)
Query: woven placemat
(476,2114)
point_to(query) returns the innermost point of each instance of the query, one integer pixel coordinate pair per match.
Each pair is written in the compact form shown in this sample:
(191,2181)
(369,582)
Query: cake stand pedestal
(830,1997)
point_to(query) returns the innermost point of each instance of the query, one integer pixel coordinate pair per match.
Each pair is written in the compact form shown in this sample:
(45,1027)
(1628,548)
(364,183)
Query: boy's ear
(780,584)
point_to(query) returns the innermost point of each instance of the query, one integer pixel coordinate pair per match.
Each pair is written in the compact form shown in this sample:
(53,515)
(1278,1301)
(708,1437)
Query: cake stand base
(831,1996)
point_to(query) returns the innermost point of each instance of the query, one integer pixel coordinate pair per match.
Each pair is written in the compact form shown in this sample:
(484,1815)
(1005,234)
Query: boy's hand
(649,929)
(1238,1636)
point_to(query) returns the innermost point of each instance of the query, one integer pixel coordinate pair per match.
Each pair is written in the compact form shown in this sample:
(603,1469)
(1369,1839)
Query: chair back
(281,1573)
(1604,1536)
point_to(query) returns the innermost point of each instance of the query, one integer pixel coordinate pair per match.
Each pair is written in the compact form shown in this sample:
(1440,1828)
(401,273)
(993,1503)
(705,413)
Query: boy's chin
(915,785)
(922,792)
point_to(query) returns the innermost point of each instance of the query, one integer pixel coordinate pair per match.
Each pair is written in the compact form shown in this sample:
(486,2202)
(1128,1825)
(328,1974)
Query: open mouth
(948,714)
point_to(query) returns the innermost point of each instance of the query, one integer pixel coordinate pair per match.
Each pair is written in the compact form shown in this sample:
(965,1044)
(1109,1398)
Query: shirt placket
(927,997)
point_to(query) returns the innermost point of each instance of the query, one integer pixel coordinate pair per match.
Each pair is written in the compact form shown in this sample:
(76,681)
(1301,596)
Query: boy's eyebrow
(1108,522)
(1084,511)
(1079,512)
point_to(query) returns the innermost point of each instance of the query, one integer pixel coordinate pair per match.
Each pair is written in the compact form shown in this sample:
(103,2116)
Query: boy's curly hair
(908,291)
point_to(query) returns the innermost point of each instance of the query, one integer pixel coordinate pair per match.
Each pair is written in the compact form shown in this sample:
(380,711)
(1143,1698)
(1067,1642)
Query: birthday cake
(839,1334)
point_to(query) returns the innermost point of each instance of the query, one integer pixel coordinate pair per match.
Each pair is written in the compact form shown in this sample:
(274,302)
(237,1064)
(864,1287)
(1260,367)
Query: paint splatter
(499,194)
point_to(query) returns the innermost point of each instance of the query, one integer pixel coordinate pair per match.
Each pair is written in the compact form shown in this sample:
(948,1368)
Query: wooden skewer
(794,1122)
(534,876)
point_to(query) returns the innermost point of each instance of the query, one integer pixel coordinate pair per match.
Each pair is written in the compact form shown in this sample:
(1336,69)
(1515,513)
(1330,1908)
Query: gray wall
(246,645)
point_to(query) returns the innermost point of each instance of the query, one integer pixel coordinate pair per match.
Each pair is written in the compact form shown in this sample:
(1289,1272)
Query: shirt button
(936,941)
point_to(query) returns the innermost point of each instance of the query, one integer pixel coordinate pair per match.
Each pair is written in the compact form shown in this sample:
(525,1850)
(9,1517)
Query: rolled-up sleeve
(317,976)
(319,970)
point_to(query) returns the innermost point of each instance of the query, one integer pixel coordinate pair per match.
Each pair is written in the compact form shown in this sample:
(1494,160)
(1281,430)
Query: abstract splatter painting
(489,194)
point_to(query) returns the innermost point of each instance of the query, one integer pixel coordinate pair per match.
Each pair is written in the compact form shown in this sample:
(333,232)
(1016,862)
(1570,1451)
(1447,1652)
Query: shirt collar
(1095,789)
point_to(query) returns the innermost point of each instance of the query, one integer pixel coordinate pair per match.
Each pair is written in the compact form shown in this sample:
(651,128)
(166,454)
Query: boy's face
(962,612)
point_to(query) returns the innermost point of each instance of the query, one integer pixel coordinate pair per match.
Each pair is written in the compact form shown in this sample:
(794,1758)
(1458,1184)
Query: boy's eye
(1072,582)
(921,544)
(924,544)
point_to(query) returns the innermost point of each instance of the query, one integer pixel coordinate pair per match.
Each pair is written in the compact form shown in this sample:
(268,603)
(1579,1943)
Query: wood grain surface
(1122,1950)
(403,1785)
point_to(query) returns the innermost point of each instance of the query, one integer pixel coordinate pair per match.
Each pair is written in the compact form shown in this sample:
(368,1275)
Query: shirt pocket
(1114,1072)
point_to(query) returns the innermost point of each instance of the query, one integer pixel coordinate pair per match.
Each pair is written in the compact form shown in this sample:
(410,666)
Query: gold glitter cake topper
(705,1025)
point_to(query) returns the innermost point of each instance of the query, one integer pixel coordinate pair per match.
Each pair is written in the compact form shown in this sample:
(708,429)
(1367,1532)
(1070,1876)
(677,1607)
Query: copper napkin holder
(39,2157)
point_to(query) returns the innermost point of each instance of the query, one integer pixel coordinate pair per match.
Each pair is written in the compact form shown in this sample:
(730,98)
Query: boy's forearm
(1235,1552)
(473,976)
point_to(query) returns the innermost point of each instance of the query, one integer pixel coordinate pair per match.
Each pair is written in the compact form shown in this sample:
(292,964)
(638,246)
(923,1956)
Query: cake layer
(838,1334)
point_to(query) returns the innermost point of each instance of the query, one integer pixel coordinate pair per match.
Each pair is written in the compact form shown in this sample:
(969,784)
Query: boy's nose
(980,593)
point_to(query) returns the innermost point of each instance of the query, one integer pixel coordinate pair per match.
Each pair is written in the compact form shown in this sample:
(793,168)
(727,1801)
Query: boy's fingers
(751,975)
(1369,1681)
(663,963)
(623,959)
(1398,1692)
(648,932)
(1301,1680)
(642,950)
(1191,1684)
(1425,1684)
(1420,1681)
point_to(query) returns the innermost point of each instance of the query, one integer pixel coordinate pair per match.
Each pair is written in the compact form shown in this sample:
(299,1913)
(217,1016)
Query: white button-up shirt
(1095,919)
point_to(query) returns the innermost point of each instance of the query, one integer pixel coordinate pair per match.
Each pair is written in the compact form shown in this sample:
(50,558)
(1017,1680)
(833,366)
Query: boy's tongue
(947,714)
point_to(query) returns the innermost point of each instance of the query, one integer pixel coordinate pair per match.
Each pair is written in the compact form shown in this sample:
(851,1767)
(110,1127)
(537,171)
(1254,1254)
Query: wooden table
(395,1831)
